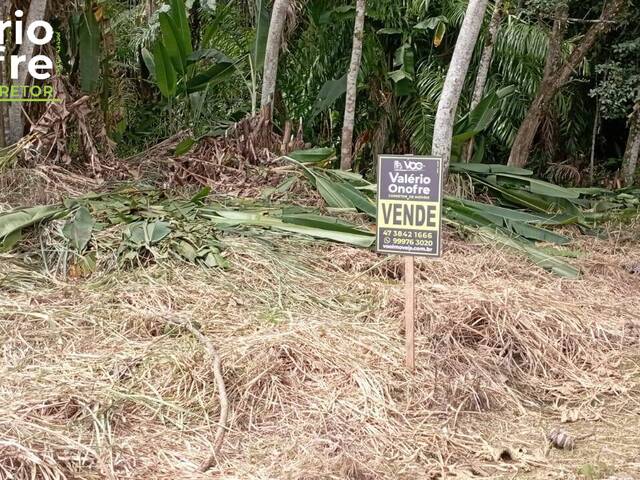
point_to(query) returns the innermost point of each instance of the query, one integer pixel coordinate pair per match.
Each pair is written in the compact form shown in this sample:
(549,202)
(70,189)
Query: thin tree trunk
(352,81)
(445,116)
(37,10)
(632,151)
(594,137)
(3,119)
(272,52)
(529,127)
(556,75)
(483,67)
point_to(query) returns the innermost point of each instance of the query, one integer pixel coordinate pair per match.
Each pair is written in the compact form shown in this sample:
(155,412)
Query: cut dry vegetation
(96,385)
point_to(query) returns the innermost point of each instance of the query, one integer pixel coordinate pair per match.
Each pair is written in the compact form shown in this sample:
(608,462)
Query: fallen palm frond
(144,224)
(137,225)
(524,209)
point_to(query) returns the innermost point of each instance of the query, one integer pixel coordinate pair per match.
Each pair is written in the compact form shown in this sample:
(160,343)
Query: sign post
(409,312)
(409,220)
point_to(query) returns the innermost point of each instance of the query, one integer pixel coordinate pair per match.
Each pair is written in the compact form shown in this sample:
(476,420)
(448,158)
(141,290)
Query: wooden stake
(409,311)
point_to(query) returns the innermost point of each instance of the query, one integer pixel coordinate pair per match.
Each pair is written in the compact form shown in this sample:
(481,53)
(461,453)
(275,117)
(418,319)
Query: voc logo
(408,166)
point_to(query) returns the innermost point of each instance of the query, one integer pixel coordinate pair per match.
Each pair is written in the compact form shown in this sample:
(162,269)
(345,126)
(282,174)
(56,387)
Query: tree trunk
(483,67)
(37,10)
(556,74)
(272,52)
(352,91)
(594,138)
(632,151)
(445,116)
(4,119)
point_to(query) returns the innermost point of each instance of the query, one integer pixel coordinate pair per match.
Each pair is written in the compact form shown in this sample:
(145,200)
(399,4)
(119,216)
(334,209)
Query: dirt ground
(96,384)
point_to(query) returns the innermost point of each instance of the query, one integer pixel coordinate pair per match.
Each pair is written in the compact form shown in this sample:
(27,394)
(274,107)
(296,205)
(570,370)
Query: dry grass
(95,385)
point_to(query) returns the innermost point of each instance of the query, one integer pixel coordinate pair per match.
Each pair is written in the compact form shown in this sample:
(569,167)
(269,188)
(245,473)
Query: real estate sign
(409,205)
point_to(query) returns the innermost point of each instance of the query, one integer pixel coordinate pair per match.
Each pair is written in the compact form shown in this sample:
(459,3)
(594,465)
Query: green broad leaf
(286,185)
(186,250)
(356,198)
(212,258)
(165,73)
(201,195)
(549,262)
(430,23)
(156,231)
(504,92)
(212,76)
(185,146)
(463,137)
(526,199)
(605,206)
(533,232)
(87,262)
(321,221)
(399,75)
(219,215)
(10,241)
(259,46)
(560,252)
(327,189)
(172,42)
(209,54)
(147,58)
(487,168)
(134,233)
(533,185)
(14,220)
(78,229)
(330,92)
(466,216)
(480,120)
(147,233)
(439,34)
(538,256)
(321,229)
(313,155)
(481,117)
(179,16)
(512,213)
(352,177)
(89,51)
(363,239)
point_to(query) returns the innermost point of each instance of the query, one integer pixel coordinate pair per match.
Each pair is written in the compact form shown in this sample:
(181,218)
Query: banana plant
(175,66)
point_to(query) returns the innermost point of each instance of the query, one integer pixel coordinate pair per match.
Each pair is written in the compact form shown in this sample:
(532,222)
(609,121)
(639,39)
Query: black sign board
(409,205)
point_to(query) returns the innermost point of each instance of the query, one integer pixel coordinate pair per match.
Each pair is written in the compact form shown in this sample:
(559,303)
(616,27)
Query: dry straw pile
(96,385)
